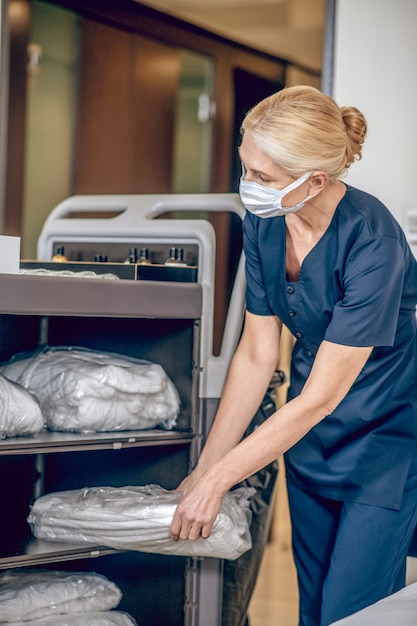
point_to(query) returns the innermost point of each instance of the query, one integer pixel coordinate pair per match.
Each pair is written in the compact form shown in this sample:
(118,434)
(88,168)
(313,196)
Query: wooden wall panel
(126,112)
(103,147)
(156,81)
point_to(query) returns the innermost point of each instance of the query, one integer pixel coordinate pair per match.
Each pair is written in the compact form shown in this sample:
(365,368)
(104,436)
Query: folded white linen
(20,413)
(139,518)
(34,594)
(89,618)
(41,271)
(82,390)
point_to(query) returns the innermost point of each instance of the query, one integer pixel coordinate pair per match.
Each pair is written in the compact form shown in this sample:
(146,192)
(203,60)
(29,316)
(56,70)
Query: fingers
(196,511)
(188,525)
(206,531)
(175,526)
(181,528)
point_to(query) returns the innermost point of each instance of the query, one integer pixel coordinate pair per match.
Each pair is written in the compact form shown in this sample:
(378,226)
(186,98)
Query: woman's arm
(335,369)
(248,378)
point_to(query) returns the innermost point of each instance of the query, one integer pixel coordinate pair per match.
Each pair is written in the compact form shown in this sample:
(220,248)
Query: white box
(9,254)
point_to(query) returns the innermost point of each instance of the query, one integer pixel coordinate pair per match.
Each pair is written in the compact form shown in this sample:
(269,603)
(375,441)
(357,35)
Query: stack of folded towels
(82,390)
(29,597)
(139,518)
(20,413)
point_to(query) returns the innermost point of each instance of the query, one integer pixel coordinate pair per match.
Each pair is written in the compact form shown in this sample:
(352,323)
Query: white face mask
(266,201)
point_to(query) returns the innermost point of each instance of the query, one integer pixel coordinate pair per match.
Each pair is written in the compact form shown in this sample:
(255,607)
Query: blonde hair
(302,129)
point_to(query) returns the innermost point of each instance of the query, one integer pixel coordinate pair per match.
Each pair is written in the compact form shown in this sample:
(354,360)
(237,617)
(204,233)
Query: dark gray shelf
(39,552)
(23,294)
(45,442)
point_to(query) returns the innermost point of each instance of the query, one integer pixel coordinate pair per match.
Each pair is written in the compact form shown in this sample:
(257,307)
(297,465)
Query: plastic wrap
(89,618)
(138,518)
(34,594)
(83,390)
(20,413)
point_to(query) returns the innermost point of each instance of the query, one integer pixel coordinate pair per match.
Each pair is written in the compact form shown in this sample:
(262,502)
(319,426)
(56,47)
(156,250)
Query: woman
(332,264)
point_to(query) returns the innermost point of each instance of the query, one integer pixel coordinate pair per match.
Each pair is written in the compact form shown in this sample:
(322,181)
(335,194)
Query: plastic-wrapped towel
(20,413)
(398,609)
(89,391)
(89,618)
(138,518)
(41,271)
(34,594)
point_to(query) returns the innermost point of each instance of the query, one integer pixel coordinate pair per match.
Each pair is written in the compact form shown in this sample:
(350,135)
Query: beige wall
(376,70)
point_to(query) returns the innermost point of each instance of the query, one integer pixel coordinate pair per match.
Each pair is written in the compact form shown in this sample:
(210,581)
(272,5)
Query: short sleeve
(373,279)
(256,300)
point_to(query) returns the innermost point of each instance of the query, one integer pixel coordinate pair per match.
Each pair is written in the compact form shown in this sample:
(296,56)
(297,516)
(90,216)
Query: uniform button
(291,313)
(299,335)
(290,289)
(309,353)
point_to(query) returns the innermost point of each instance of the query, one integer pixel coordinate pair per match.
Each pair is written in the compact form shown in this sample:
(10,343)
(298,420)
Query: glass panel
(52,83)
(193,135)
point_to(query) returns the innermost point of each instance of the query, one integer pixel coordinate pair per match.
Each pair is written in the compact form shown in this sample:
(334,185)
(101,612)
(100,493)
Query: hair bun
(356,129)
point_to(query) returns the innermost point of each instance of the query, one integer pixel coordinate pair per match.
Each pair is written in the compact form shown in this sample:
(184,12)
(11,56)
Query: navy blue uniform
(357,287)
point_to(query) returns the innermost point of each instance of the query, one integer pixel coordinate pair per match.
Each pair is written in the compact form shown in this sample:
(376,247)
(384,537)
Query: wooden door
(126,112)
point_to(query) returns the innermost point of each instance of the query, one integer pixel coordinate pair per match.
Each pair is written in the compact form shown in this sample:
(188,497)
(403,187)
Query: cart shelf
(27,294)
(71,442)
(38,552)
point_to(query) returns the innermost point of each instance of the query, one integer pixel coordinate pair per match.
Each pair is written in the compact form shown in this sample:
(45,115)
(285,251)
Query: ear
(317,182)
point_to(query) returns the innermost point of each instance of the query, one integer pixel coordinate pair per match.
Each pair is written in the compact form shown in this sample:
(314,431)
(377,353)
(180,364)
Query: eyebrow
(254,171)
(257,172)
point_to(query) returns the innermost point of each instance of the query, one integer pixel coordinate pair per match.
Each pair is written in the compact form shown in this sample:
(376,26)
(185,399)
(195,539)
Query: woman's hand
(197,509)
(188,480)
